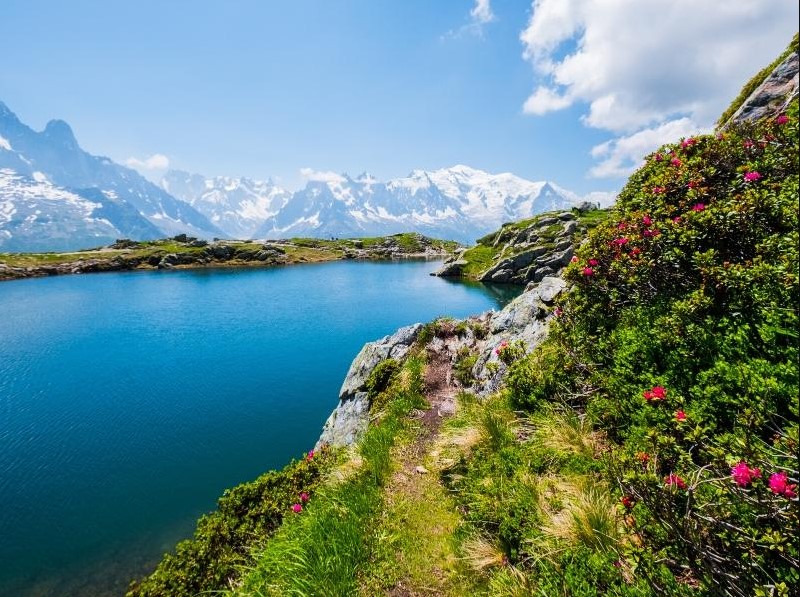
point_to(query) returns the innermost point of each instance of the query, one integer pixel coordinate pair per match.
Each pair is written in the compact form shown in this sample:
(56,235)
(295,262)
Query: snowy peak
(51,165)
(238,206)
(459,202)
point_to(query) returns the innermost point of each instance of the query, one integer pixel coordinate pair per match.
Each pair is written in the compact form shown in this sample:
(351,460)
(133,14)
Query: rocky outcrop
(522,252)
(772,96)
(351,416)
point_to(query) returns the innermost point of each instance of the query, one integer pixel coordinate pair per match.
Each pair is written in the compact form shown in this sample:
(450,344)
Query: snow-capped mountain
(36,215)
(52,163)
(238,206)
(460,203)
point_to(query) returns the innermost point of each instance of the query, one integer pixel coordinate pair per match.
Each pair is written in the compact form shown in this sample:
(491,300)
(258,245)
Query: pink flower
(680,416)
(304,497)
(643,457)
(692,184)
(748,144)
(574,259)
(675,162)
(779,484)
(782,119)
(503,345)
(673,480)
(698,207)
(594,262)
(752,176)
(588,271)
(743,475)
(627,501)
(676,219)
(658,157)
(647,220)
(688,142)
(656,393)
(635,251)
(621,226)
(558,312)
(310,455)
(659,190)
(620,241)
(651,233)
(297,508)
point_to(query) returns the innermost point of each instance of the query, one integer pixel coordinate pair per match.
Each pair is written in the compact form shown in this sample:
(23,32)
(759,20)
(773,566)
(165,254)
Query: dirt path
(412,483)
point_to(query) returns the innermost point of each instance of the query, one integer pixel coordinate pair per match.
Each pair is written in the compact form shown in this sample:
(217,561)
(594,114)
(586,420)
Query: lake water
(130,401)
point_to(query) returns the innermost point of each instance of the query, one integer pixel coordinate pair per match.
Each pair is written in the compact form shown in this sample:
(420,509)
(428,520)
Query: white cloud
(639,65)
(545,100)
(482,13)
(621,156)
(157,161)
(321,175)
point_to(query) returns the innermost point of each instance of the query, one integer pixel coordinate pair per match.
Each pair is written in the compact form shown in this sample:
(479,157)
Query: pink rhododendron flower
(574,259)
(673,480)
(558,312)
(680,416)
(675,162)
(655,393)
(594,262)
(743,475)
(304,497)
(676,219)
(588,271)
(698,207)
(692,184)
(627,501)
(659,190)
(782,119)
(297,508)
(779,484)
(651,233)
(310,455)
(620,241)
(647,220)
(503,345)
(748,143)
(659,157)
(688,142)
(643,457)
(752,176)
(621,226)
(635,251)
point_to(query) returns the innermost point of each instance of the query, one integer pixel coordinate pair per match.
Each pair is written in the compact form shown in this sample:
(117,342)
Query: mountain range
(56,196)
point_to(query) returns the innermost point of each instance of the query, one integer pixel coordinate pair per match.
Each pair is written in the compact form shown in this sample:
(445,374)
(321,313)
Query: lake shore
(182,252)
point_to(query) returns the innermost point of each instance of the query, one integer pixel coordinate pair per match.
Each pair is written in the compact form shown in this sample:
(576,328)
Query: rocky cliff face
(773,95)
(351,417)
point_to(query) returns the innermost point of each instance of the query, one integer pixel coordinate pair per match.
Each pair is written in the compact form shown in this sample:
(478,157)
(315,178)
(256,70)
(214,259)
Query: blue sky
(264,88)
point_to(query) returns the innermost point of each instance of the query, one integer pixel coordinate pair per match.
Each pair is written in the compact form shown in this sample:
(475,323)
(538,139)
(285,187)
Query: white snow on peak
(4,144)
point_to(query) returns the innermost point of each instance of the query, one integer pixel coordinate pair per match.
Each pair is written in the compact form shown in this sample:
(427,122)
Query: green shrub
(222,542)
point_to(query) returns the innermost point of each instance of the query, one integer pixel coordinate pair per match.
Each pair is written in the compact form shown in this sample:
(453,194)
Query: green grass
(326,548)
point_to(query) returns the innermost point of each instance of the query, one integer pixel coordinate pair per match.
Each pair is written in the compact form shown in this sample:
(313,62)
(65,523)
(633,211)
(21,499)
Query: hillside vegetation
(648,446)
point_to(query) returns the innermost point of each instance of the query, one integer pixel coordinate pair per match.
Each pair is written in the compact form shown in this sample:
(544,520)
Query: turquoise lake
(130,401)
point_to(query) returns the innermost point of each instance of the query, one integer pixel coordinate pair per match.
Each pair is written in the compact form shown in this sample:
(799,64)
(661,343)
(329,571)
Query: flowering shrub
(682,344)
(510,352)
